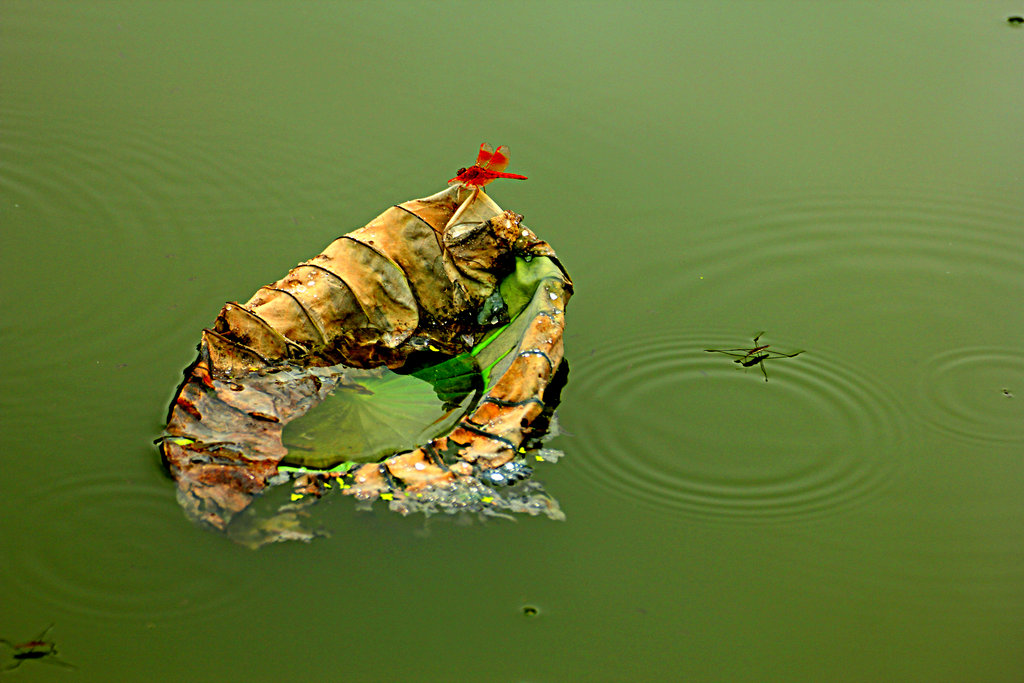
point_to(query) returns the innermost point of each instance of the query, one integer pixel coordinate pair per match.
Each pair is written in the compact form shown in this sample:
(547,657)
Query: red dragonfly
(489,166)
(756,355)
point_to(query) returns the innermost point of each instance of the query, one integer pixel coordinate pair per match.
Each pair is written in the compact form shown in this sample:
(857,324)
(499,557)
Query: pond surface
(845,177)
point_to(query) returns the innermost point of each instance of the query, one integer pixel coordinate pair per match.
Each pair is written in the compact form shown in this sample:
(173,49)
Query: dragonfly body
(490,165)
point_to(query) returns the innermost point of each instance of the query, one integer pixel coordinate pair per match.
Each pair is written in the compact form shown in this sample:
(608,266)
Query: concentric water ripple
(105,547)
(963,241)
(976,393)
(890,278)
(112,235)
(92,218)
(660,421)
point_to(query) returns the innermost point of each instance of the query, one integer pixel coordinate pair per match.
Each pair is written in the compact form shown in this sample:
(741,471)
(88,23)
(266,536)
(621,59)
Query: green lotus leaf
(454,379)
(386,413)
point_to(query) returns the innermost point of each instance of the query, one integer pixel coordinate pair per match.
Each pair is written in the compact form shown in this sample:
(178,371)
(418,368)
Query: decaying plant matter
(448,276)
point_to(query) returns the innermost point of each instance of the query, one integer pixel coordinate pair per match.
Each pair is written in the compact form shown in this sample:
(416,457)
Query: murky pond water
(843,177)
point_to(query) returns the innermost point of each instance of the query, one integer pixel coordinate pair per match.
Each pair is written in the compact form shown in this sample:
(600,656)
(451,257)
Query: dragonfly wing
(499,160)
(484,157)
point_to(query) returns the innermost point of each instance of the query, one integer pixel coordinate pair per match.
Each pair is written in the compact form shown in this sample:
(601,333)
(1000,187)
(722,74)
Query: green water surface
(844,176)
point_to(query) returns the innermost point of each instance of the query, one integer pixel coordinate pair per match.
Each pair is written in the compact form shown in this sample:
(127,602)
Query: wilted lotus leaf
(410,360)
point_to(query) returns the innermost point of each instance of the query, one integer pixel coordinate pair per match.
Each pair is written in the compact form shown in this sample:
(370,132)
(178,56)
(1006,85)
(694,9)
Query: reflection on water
(708,440)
